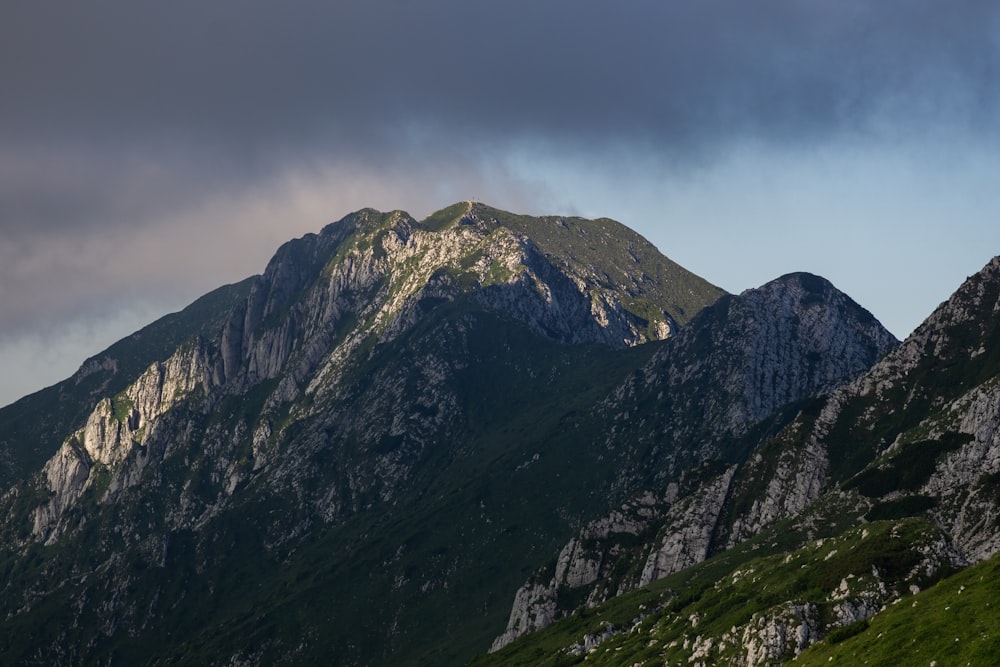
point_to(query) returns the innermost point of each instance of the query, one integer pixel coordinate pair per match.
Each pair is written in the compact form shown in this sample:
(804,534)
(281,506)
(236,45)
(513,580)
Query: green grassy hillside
(709,611)
(955,622)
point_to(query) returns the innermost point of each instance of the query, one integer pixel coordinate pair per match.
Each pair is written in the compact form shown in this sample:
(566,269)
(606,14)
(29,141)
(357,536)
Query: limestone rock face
(583,561)
(740,361)
(534,608)
(769,638)
(935,398)
(688,531)
(964,481)
(113,432)
(940,386)
(795,478)
(400,418)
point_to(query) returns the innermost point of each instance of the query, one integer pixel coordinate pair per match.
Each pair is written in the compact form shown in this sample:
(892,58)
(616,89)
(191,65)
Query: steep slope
(955,622)
(740,361)
(388,428)
(910,446)
(650,286)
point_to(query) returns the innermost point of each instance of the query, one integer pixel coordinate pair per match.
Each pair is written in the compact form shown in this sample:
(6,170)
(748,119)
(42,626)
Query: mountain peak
(810,282)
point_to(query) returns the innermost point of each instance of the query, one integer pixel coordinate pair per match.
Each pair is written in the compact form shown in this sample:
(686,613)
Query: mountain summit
(359,455)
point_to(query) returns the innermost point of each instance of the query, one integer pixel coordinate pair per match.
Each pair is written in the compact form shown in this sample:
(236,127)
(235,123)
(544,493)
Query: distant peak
(800,282)
(809,282)
(447,216)
(992,266)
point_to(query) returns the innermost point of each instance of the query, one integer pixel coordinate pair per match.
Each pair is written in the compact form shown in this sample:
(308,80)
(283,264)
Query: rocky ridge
(920,426)
(33,428)
(379,272)
(117,428)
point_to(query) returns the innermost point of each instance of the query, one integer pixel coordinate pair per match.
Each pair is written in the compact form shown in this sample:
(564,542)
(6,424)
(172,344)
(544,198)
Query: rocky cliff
(925,420)
(33,428)
(111,448)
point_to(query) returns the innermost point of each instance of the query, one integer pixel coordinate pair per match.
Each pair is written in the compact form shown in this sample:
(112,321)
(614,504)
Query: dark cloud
(248,78)
(114,109)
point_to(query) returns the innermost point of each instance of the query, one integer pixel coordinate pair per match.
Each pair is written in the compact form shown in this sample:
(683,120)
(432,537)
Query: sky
(151,151)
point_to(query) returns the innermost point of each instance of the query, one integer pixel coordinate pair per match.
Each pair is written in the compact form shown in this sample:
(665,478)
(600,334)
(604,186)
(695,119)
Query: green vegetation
(121,407)
(899,508)
(907,468)
(659,623)
(838,635)
(617,259)
(446,217)
(956,622)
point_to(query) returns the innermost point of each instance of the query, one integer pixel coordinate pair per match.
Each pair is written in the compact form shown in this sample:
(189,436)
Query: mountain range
(503,439)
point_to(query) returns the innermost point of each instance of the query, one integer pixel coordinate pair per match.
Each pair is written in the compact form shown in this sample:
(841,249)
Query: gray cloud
(116,109)
(255,80)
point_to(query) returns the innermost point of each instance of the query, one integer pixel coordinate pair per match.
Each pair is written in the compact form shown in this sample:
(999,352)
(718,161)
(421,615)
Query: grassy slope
(622,256)
(755,578)
(956,622)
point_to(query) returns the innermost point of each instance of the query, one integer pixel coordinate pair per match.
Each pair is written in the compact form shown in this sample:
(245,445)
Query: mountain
(341,443)
(359,456)
(871,493)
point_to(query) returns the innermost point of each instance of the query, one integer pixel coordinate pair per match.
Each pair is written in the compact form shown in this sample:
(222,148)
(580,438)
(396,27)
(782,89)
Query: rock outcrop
(102,451)
(925,420)
(369,447)
(737,364)
(688,529)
